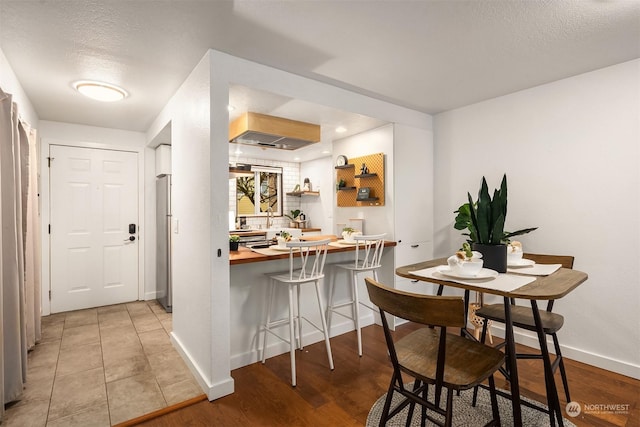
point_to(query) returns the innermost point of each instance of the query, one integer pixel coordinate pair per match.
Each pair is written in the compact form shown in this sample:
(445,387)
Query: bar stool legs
(294,321)
(354,302)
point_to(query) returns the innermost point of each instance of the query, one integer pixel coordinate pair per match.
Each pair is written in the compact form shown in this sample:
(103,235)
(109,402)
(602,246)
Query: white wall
(377,219)
(10,84)
(318,210)
(96,137)
(570,152)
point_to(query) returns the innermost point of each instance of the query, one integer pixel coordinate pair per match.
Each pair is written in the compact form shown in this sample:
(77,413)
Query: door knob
(130,239)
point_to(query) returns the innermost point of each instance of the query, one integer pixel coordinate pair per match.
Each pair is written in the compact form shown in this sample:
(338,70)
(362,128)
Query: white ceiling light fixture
(100,91)
(341,129)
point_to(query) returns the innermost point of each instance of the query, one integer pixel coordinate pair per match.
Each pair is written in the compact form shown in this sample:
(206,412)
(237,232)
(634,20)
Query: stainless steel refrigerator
(163,241)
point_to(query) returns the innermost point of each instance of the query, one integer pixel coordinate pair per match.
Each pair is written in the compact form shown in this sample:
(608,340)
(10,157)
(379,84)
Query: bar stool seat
(368,256)
(306,265)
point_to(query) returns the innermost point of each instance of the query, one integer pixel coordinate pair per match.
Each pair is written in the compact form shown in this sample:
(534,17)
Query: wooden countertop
(263,232)
(245,255)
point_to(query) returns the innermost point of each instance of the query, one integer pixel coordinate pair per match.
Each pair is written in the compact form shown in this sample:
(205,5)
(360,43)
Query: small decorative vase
(233,246)
(494,256)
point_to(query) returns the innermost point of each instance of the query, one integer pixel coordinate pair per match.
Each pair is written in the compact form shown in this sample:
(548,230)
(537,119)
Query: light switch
(174,225)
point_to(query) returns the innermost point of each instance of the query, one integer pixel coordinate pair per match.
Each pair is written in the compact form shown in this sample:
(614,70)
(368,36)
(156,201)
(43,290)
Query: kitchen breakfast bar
(249,285)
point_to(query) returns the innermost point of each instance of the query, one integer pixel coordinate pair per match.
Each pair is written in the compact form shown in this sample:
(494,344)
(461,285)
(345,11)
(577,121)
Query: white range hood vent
(272,132)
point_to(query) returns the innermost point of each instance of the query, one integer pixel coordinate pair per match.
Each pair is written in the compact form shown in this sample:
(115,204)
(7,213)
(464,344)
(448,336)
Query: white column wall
(570,152)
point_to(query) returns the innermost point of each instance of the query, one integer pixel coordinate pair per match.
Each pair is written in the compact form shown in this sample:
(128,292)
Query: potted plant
(234,241)
(485,219)
(294,218)
(283,238)
(348,233)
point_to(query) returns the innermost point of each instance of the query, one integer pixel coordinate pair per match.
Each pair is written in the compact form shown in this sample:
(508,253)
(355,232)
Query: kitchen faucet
(269,217)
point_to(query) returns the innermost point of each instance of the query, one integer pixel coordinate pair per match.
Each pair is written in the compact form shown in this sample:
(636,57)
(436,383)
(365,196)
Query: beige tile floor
(102,366)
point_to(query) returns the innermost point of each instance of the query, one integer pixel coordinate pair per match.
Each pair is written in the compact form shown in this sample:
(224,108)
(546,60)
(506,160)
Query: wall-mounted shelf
(374,181)
(303,193)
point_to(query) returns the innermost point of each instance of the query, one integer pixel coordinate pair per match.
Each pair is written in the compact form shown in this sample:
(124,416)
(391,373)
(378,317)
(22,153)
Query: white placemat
(536,269)
(504,282)
(342,245)
(269,252)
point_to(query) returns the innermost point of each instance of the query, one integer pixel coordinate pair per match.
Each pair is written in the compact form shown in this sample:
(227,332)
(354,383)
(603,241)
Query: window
(268,182)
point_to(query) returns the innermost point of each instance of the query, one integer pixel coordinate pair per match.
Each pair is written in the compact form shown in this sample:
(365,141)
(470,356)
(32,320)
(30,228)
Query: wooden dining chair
(306,266)
(431,356)
(368,260)
(522,317)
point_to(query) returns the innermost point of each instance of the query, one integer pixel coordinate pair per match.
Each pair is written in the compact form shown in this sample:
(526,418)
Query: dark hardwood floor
(264,396)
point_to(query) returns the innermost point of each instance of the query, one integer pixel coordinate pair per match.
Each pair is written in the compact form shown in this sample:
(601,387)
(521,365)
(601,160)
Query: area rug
(463,413)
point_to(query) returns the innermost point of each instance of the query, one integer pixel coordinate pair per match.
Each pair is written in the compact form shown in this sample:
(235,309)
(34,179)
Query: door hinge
(49,295)
(49,228)
(49,161)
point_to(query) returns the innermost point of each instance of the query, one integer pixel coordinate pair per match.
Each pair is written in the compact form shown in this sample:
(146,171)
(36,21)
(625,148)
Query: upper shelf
(303,193)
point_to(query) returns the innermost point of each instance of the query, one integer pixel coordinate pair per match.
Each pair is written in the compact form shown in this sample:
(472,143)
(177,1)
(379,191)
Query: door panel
(94,198)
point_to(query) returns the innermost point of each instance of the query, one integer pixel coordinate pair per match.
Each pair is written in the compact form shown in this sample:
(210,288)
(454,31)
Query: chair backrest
(424,309)
(565,260)
(310,262)
(369,251)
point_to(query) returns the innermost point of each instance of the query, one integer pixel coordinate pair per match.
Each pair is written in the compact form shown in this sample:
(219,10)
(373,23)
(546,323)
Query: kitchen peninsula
(248,279)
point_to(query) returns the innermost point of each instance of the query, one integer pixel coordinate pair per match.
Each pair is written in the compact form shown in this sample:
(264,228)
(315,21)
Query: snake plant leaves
(485,219)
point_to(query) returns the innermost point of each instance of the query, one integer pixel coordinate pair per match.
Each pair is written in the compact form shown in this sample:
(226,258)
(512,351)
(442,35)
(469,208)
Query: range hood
(272,132)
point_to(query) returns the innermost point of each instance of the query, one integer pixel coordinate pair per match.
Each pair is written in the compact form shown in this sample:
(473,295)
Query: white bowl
(469,268)
(514,257)
(349,237)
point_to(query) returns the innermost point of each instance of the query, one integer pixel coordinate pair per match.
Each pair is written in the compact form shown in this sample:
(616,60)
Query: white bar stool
(308,267)
(367,259)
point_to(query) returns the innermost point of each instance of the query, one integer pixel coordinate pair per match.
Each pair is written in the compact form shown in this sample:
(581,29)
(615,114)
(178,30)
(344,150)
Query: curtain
(20,246)
(32,241)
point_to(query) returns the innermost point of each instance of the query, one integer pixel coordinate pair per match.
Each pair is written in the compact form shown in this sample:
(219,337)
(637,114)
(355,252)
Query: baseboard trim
(160,412)
(277,347)
(213,390)
(573,353)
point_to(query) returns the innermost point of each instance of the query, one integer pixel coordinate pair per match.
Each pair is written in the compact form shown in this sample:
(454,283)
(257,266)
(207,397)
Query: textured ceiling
(431,56)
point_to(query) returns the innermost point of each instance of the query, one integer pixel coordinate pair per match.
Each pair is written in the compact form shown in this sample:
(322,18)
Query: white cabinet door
(413,252)
(413,184)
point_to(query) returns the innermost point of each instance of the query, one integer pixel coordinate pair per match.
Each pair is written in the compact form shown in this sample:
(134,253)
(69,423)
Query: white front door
(94,199)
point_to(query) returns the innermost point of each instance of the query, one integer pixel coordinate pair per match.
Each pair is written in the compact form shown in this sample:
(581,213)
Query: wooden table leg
(552,392)
(512,364)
